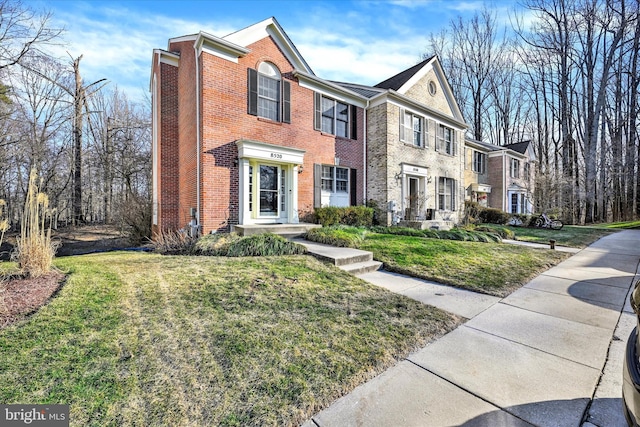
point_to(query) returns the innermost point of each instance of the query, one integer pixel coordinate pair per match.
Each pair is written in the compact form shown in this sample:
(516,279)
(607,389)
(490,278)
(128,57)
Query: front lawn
(492,268)
(574,236)
(144,339)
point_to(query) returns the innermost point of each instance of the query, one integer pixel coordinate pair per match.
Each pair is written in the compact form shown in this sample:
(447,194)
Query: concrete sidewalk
(537,357)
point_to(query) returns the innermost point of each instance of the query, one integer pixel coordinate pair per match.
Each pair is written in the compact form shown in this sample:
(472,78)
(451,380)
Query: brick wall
(225,120)
(167,177)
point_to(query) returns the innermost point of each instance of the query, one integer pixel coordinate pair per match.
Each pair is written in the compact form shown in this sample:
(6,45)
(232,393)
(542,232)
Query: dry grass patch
(172,340)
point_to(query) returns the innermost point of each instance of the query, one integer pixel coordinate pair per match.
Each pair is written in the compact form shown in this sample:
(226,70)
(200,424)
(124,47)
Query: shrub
(216,244)
(266,244)
(135,215)
(502,232)
(379,214)
(356,216)
(174,243)
(341,236)
(493,216)
(34,249)
(471,212)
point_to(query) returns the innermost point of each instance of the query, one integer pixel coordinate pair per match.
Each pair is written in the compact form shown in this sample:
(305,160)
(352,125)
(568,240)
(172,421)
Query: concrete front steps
(286,230)
(353,261)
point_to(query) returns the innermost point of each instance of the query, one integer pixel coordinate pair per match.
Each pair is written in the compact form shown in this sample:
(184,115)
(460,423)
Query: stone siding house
(415,147)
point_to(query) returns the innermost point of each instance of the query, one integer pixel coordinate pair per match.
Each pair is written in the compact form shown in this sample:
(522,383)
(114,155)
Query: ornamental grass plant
(34,248)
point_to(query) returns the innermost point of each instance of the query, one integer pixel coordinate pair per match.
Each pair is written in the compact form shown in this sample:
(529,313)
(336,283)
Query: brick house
(415,134)
(500,177)
(244,133)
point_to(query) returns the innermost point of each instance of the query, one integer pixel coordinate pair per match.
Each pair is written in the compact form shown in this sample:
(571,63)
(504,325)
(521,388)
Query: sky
(359,41)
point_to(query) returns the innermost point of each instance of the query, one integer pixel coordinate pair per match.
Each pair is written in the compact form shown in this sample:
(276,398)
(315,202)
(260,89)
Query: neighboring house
(500,177)
(511,175)
(476,175)
(245,133)
(415,134)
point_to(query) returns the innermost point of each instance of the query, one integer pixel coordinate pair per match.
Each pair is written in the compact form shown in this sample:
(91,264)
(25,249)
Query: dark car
(631,370)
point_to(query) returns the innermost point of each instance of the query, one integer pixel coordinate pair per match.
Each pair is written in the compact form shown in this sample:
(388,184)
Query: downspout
(195,48)
(364,156)
(506,176)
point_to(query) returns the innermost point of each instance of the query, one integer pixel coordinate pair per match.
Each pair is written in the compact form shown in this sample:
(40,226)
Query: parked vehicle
(545,222)
(631,369)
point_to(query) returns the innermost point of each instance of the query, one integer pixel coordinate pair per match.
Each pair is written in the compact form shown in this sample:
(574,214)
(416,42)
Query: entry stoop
(286,230)
(354,261)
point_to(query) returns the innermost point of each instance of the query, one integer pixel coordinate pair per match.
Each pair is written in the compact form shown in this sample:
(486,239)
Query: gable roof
(520,147)
(397,81)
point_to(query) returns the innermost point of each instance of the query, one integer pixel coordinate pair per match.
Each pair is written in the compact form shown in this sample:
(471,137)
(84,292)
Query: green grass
(492,268)
(621,225)
(574,236)
(145,339)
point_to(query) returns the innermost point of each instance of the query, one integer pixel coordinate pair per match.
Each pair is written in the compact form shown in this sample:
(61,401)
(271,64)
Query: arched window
(269,94)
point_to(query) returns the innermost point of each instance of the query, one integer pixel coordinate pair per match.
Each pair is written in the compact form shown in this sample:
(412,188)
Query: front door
(269,191)
(414,194)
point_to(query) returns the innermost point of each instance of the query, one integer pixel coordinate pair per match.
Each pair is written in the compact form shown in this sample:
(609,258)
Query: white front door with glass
(268,183)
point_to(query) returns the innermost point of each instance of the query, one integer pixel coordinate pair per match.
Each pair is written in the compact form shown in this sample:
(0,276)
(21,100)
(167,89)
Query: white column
(293,196)
(243,197)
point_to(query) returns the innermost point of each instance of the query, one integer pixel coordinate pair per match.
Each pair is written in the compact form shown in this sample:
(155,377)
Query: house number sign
(276,155)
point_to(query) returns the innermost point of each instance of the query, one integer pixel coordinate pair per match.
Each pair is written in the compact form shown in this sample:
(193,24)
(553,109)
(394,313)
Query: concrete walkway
(549,354)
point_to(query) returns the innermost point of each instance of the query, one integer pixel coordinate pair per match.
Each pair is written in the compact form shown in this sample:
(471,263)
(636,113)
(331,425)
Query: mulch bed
(23,296)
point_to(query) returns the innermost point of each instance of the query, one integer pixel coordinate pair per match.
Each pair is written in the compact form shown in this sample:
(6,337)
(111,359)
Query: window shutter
(454,142)
(353,187)
(286,101)
(466,155)
(354,122)
(423,127)
(453,194)
(317,107)
(252,92)
(401,124)
(437,140)
(317,185)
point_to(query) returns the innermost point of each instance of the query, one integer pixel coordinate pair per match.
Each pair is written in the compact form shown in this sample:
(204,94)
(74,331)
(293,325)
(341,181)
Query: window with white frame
(411,128)
(479,162)
(514,168)
(268,92)
(334,117)
(446,141)
(335,179)
(268,95)
(446,193)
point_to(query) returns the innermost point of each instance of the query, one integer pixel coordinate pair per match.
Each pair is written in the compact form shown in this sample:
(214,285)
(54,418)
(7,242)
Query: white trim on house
(253,154)
(394,98)
(330,89)
(270,27)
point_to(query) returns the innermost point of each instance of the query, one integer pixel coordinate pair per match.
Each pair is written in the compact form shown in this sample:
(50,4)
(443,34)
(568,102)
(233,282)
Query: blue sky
(358,41)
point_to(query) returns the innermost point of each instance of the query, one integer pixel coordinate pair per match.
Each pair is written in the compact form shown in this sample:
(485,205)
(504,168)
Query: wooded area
(568,81)
(90,145)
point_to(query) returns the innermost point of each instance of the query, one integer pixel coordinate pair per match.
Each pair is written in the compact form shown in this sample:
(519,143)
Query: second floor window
(527,171)
(334,117)
(269,96)
(446,141)
(479,162)
(515,168)
(411,128)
